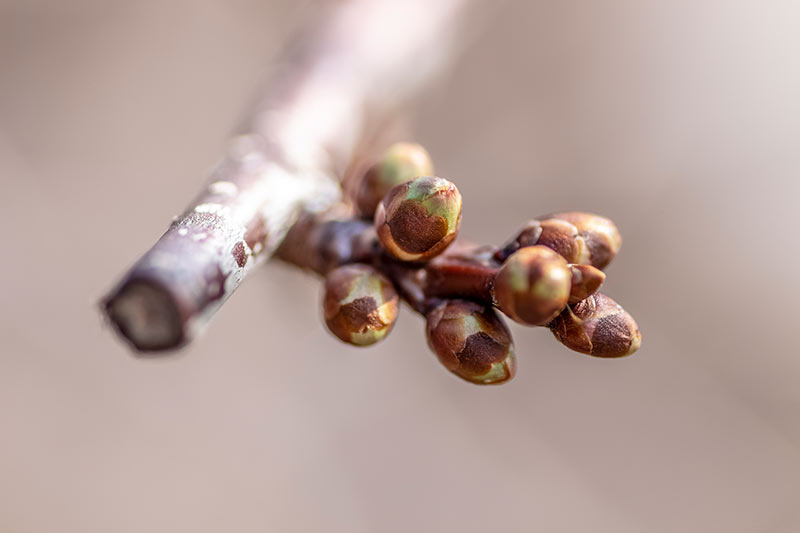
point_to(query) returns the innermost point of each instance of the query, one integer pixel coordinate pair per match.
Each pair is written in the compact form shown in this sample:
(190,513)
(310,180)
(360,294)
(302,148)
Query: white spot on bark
(215,209)
(225,188)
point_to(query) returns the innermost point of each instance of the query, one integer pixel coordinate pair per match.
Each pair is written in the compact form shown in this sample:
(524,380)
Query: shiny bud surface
(360,305)
(602,237)
(471,341)
(597,326)
(401,162)
(533,285)
(586,279)
(564,239)
(417,220)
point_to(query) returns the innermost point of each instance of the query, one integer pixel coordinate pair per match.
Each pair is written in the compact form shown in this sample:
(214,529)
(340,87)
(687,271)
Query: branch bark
(360,59)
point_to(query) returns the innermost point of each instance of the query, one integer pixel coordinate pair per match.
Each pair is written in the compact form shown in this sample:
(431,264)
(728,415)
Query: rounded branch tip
(360,304)
(401,162)
(471,341)
(146,315)
(533,285)
(418,220)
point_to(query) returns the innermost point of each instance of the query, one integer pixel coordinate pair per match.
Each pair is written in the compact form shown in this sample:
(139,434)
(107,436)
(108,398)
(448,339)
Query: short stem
(462,276)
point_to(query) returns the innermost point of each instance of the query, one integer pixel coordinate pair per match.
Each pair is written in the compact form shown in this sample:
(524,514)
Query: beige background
(680,120)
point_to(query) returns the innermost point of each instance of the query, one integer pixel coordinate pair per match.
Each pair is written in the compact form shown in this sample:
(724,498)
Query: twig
(323,242)
(547,275)
(357,61)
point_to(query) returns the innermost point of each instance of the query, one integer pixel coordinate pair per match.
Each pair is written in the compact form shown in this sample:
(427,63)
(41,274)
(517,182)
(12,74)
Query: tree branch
(357,61)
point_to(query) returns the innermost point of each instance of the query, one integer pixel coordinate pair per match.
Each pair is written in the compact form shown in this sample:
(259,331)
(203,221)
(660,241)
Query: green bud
(417,220)
(402,162)
(471,341)
(600,234)
(586,279)
(597,326)
(532,286)
(360,304)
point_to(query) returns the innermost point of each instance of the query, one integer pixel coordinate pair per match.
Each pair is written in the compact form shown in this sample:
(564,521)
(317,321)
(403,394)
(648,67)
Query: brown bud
(532,286)
(419,219)
(559,235)
(586,279)
(529,236)
(600,234)
(563,238)
(597,326)
(360,304)
(471,341)
(402,162)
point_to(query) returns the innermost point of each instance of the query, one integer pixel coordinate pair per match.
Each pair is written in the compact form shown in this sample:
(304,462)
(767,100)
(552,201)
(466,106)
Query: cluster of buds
(398,240)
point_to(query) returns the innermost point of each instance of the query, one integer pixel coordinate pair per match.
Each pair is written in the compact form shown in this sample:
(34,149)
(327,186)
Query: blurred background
(679,120)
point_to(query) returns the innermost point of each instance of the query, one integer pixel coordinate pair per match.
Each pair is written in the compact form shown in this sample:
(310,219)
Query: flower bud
(597,326)
(471,341)
(559,235)
(529,236)
(600,234)
(563,238)
(360,304)
(402,162)
(533,285)
(417,220)
(586,279)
